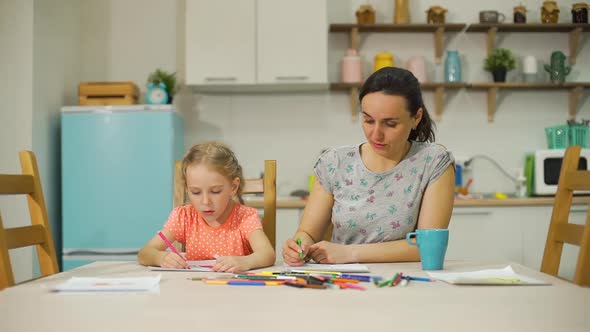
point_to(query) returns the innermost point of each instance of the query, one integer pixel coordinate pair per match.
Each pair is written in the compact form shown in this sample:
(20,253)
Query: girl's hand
(292,253)
(325,252)
(231,264)
(171,260)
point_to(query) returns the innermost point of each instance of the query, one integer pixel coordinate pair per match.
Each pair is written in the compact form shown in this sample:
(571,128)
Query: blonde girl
(215,225)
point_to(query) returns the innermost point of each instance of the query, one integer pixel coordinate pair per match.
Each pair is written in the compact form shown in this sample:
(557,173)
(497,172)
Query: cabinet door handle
(292,78)
(220,79)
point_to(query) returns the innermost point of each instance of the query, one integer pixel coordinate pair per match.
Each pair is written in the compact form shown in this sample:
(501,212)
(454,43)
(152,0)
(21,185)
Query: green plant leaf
(169,79)
(500,58)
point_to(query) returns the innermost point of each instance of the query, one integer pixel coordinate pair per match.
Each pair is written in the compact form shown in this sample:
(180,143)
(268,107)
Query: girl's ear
(235,184)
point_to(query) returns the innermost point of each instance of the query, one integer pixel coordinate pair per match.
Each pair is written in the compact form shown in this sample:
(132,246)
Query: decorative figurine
(580,13)
(520,14)
(436,15)
(365,15)
(558,70)
(549,12)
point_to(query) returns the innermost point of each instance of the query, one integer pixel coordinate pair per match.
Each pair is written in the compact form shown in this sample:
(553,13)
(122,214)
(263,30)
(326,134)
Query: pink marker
(170,245)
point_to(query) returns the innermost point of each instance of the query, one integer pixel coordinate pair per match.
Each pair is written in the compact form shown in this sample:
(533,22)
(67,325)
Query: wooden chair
(560,230)
(267,186)
(39,233)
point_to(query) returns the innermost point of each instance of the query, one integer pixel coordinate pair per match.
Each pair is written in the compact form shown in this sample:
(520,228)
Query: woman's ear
(418,117)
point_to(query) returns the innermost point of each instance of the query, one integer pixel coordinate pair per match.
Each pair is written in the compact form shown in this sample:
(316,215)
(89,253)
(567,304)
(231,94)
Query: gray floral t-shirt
(374,207)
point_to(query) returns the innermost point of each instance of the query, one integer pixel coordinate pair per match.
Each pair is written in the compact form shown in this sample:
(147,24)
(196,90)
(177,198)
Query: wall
(294,128)
(16,93)
(39,67)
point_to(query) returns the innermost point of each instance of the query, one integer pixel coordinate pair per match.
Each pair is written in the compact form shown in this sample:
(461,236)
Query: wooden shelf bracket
(491,42)
(575,37)
(354,103)
(439,35)
(354,38)
(439,100)
(575,96)
(492,97)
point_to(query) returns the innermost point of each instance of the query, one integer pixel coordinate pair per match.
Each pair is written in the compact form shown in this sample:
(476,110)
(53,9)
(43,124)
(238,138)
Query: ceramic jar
(417,65)
(352,69)
(452,67)
(580,13)
(529,69)
(383,59)
(549,12)
(520,14)
(436,15)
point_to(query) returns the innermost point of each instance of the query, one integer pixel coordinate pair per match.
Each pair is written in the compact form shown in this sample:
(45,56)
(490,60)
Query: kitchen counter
(295,203)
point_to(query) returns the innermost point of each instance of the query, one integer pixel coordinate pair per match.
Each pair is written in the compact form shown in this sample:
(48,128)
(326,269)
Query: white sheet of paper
(351,268)
(118,285)
(504,276)
(195,266)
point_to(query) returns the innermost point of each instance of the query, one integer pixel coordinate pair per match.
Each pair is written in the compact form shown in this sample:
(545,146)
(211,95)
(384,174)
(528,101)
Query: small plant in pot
(168,79)
(499,63)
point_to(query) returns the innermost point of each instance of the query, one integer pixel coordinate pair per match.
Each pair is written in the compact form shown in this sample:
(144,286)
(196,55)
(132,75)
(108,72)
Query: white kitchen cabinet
(292,41)
(516,234)
(256,42)
(483,234)
(220,42)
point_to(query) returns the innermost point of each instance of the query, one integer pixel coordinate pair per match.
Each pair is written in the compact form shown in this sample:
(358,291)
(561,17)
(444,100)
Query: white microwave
(547,168)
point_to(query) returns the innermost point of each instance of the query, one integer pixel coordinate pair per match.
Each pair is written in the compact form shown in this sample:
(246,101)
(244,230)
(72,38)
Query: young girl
(214,225)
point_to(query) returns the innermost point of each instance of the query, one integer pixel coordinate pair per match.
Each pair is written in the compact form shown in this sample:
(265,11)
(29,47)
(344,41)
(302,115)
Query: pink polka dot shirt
(204,242)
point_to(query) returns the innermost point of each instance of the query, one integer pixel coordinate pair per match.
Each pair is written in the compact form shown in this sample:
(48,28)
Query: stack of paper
(505,276)
(194,266)
(351,268)
(118,285)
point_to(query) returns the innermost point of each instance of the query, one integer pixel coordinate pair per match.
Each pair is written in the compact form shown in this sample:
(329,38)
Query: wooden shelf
(575,92)
(451,27)
(574,30)
(438,88)
(438,30)
(527,27)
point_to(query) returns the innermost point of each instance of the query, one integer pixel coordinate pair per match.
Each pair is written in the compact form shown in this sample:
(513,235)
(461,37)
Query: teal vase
(453,67)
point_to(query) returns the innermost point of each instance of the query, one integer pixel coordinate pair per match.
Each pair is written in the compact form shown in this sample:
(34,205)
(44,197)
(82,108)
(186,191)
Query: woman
(377,191)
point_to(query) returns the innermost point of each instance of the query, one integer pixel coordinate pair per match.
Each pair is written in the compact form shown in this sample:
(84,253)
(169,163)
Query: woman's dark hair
(400,82)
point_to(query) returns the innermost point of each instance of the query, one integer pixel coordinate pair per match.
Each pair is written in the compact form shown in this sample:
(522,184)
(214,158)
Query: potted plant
(168,79)
(499,63)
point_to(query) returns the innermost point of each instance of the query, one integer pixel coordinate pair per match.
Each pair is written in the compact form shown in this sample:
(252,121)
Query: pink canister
(417,65)
(352,71)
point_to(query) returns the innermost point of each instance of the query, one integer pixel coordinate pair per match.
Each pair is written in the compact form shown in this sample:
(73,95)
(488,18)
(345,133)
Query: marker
(170,245)
(419,278)
(301,255)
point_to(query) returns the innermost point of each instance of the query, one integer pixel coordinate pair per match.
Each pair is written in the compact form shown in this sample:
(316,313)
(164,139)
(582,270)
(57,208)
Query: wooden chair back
(560,230)
(267,186)
(38,233)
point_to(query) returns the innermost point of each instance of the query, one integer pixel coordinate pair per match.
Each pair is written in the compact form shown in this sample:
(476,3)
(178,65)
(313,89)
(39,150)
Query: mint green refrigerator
(117,178)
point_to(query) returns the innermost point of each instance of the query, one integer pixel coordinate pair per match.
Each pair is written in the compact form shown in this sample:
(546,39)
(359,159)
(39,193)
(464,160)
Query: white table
(185,305)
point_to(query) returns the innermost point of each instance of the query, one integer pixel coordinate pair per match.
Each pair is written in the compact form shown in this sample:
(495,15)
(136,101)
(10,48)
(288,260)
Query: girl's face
(210,192)
(387,122)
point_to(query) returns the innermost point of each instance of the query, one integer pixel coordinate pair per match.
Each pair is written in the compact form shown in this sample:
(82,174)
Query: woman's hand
(231,264)
(292,253)
(325,252)
(171,260)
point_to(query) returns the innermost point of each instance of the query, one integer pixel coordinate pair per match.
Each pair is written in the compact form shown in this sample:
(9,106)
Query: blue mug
(432,244)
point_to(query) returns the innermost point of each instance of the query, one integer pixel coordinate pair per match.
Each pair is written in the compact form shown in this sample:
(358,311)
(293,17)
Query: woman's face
(210,192)
(387,122)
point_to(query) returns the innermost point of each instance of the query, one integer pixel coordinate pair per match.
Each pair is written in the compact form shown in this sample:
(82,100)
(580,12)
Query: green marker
(301,255)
